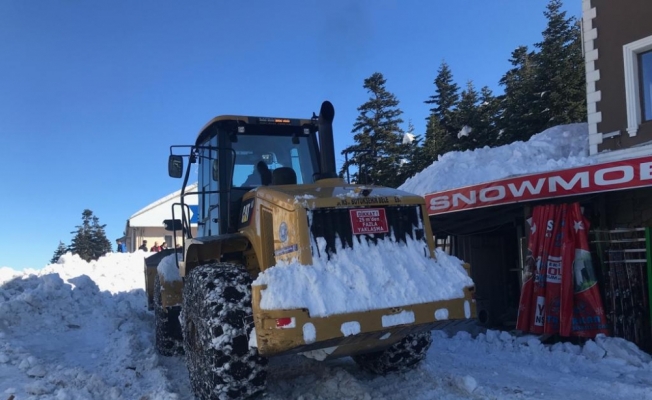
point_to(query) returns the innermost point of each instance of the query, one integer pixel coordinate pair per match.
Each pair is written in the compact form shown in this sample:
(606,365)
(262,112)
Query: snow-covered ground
(76,330)
(560,147)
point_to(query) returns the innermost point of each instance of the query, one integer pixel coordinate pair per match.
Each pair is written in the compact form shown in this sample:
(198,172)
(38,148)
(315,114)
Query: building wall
(135,237)
(628,208)
(614,24)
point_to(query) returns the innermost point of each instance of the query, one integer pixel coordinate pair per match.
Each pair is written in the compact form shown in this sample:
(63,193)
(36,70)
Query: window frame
(645,107)
(631,52)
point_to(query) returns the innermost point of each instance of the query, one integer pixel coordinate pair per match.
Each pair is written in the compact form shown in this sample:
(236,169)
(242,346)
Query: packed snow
(349,282)
(78,330)
(560,147)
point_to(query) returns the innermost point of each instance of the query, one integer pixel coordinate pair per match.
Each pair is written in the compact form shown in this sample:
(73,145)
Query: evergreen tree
(560,77)
(101,244)
(90,241)
(489,113)
(518,119)
(445,99)
(468,115)
(378,151)
(61,250)
(412,142)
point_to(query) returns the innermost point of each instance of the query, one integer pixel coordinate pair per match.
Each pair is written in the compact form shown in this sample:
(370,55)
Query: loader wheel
(401,356)
(217,322)
(168,328)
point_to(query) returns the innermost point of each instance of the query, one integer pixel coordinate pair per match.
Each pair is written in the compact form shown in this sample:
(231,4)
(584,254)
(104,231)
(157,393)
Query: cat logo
(247,211)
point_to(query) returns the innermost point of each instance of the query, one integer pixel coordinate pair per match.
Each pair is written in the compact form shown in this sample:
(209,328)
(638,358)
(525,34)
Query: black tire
(217,309)
(169,341)
(401,356)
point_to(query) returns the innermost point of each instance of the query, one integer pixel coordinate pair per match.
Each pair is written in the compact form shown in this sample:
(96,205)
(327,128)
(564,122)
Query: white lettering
(554,270)
(500,193)
(370,213)
(526,185)
(627,171)
(646,171)
(582,177)
(468,200)
(550,225)
(439,203)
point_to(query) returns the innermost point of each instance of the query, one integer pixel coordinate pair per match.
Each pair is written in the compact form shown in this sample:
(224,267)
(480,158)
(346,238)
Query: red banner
(623,174)
(560,294)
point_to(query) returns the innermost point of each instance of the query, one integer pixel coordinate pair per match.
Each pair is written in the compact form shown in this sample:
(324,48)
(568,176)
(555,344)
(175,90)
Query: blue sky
(92,94)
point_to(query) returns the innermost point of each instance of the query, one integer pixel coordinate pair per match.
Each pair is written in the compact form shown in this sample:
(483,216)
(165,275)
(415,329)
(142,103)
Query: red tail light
(284,323)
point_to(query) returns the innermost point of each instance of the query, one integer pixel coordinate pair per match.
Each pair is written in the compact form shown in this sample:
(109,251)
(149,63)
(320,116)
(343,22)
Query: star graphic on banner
(533,229)
(578,226)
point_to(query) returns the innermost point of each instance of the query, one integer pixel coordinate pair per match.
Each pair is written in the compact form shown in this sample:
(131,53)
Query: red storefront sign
(368,221)
(623,174)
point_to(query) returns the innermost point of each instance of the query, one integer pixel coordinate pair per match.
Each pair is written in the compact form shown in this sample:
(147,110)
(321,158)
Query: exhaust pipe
(326,141)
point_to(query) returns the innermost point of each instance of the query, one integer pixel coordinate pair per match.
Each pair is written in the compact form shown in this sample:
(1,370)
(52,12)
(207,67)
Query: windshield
(275,151)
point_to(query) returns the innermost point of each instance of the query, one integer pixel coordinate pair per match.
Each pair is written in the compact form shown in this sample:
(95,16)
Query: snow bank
(366,277)
(78,330)
(560,147)
(63,335)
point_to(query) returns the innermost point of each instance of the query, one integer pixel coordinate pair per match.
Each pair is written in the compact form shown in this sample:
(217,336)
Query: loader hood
(331,193)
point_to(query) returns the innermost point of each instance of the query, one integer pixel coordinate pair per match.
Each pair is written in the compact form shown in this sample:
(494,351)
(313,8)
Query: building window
(645,76)
(635,55)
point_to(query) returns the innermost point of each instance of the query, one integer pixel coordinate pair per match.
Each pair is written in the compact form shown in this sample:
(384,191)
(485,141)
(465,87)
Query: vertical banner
(526,308)
(588,317)
(554,275)
(560,292)
(545,229)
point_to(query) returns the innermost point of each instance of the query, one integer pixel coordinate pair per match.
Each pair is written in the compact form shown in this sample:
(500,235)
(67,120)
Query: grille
(334,225)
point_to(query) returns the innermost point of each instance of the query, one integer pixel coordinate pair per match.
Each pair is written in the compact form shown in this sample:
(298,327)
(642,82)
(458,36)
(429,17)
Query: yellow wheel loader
(275,222)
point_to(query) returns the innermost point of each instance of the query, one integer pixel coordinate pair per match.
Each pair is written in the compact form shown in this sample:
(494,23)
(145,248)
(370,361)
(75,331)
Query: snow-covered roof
(557,148)
(156,212)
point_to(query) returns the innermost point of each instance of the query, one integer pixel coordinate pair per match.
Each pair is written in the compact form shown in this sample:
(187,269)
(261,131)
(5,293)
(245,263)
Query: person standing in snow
(122,247)
(164,246)
(143,246)
(156,248)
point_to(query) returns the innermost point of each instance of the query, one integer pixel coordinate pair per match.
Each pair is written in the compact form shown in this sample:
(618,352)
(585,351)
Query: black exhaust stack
(326,141)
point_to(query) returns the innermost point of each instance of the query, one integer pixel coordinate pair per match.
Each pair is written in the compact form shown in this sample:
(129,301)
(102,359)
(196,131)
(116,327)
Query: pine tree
(90,241)
(437,142)
(445,99)
(378,150)
(518,119)
(468,115)
(560,77)
(101,245)
(61,250)
(489,113)
(412,142)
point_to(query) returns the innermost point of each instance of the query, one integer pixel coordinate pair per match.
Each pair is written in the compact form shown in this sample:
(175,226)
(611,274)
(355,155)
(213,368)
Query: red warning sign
(368,221)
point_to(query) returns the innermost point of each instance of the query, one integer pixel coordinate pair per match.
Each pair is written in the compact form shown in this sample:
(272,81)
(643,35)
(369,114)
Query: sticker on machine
(368,221)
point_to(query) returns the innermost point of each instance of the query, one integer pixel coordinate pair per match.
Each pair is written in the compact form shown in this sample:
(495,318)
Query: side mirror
(175,166)
(172,224)
(216,170)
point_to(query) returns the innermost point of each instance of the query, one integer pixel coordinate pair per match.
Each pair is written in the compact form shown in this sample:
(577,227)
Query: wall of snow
(366,277)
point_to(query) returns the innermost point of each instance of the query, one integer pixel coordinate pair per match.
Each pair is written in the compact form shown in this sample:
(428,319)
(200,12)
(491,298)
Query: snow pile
(366,277)
(78,330)
(72,333)
(488,366)
(560,147)
(113,272)
(168,267)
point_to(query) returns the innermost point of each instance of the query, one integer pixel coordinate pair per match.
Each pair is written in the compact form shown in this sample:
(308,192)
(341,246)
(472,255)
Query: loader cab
(231,151)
